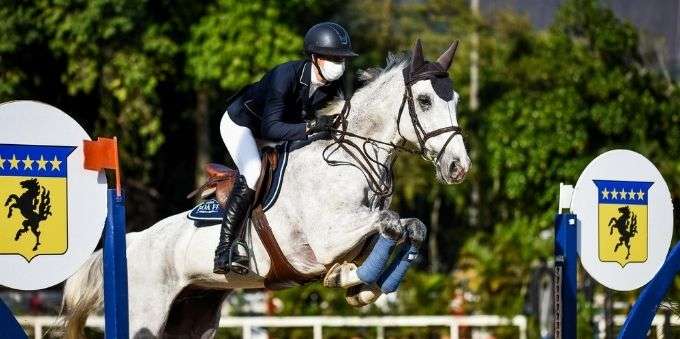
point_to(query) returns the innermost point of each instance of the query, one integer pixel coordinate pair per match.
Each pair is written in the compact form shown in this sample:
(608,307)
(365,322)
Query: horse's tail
(83,294)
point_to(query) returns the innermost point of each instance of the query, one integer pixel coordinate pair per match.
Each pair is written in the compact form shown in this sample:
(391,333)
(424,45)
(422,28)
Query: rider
(281,106)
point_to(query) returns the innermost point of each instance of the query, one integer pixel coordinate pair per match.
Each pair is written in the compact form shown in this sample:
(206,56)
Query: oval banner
(52,210)
(625,219)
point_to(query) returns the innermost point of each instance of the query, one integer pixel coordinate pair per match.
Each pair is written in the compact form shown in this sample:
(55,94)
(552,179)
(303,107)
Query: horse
(326,216)
(33,210)
(626,225)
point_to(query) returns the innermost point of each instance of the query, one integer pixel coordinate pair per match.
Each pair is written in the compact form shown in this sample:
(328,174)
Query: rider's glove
(320,124)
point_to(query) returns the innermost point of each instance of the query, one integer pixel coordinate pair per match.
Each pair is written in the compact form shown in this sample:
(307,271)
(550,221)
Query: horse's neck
(373,114)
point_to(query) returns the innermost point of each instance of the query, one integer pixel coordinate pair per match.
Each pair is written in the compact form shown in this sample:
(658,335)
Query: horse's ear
(417,58)
(446,59)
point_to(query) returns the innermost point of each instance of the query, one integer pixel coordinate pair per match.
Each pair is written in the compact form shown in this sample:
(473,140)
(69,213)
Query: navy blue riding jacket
(276,107)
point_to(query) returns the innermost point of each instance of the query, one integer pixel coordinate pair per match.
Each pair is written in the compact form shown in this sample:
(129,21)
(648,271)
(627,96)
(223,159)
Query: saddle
(220,182)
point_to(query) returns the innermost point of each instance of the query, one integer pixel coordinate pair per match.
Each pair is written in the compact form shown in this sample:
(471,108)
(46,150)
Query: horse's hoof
(342,275)
(362,295)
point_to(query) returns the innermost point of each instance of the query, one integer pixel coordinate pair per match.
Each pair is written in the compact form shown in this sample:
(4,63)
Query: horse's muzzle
(453,170)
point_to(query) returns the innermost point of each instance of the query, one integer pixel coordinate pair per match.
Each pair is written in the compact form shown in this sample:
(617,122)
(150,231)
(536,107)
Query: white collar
(314,80)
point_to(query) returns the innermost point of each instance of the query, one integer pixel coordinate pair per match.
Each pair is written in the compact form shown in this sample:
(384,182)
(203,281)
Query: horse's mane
(369,77)
(393,60)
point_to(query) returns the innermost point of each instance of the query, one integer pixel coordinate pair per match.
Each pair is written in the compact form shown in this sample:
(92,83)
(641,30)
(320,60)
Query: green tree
(552,102)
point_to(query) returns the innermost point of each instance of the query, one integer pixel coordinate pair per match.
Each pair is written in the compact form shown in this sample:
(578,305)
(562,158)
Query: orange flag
(102,154)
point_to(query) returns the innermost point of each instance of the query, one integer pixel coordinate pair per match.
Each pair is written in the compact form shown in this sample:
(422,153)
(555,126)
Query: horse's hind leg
(21,231)
(37,237)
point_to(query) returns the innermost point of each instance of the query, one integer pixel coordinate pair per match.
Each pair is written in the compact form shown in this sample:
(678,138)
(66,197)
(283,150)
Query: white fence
(657,324)
(247,324)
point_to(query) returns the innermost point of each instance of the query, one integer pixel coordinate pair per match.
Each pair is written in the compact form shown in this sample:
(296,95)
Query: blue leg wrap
(390,280)
(370,270)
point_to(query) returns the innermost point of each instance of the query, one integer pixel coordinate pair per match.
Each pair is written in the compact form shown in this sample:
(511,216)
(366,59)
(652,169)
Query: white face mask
(332,71)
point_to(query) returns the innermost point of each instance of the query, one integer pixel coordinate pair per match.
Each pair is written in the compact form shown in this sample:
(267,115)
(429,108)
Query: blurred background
(545,86)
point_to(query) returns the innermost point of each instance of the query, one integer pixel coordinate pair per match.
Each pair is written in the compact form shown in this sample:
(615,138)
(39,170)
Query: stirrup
(236,266)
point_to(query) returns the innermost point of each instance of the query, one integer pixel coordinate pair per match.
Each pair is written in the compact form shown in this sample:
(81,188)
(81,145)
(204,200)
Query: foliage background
(156,73)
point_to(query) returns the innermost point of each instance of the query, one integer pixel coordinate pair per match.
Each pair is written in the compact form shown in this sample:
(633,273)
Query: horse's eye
(424,101)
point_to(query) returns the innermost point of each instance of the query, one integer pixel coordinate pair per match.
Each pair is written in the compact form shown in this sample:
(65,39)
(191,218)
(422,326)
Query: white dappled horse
(323,216)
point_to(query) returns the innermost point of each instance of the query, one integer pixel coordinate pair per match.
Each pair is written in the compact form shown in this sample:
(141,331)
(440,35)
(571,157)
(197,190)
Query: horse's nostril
(455,165)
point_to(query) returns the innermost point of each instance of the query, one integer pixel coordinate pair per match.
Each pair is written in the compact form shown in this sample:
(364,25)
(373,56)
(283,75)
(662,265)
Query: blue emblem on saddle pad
(208,210)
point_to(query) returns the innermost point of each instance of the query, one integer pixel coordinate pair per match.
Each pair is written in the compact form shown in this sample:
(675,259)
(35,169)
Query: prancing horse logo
(34,205)
(626,224)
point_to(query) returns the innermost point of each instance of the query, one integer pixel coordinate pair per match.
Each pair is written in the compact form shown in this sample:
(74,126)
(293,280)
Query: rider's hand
(322,123)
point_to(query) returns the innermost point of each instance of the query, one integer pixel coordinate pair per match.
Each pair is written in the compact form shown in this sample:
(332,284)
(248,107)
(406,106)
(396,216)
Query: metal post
(453,331)
(474,58)
(115,269)
(318,331)
(380,332)
(9,324)
(565,268)
(247,331)
(640,317)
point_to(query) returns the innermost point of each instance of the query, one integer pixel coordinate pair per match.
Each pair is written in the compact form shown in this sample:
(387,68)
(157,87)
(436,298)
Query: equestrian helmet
(330,39)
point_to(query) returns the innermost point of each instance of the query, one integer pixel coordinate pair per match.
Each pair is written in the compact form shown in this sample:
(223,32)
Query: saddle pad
(283,150)
(209,211)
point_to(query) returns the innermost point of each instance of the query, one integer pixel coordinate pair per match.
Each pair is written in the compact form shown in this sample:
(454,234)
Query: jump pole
(99,155)
(564,297)
(640,318)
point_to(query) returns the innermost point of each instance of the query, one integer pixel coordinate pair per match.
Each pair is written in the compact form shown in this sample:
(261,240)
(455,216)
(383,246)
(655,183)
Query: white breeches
(241,145)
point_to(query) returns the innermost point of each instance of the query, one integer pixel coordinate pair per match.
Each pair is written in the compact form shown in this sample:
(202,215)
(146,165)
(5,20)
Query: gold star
(2,162)
(28,163)
(41,163)
(631,194)
(615,194)
(605,194)
(55,164)
(641,194)
(14,163)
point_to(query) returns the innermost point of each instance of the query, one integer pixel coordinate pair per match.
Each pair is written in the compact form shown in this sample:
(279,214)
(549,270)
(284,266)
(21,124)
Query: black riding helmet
(329,39)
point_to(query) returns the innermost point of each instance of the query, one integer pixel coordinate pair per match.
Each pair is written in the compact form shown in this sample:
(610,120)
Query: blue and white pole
(115,269)
(565,267)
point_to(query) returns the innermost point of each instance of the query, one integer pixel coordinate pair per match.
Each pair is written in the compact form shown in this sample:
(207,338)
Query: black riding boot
(232,254)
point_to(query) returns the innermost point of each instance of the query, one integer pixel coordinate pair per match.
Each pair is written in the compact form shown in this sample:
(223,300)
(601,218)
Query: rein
(372,169)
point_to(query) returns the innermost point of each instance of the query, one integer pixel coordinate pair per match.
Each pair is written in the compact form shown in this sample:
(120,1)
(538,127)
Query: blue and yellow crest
(33,198)
(622,221)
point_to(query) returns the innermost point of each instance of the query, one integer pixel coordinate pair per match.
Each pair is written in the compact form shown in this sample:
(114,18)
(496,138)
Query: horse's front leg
(15,205)
(347,274)
(392,277)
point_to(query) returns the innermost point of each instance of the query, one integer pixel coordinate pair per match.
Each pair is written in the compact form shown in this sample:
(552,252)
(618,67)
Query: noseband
(378,175)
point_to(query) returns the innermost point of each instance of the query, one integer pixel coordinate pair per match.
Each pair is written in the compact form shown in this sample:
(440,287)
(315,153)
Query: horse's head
(30,184)
(432,124)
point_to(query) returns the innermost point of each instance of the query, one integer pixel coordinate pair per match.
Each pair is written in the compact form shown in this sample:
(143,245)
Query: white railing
(247,324)
(657,324)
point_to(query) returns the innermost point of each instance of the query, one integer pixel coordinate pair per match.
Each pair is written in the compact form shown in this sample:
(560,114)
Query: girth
(281,273)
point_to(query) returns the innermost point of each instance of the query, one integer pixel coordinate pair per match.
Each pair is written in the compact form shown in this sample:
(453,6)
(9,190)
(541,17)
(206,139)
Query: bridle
(378,175)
